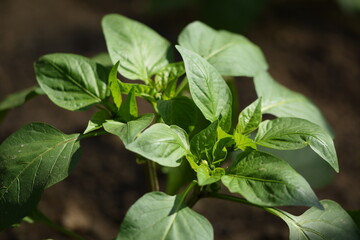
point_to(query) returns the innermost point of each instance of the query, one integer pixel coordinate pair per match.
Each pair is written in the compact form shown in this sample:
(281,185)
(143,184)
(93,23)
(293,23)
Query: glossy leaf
(17,99)
(160,216)
(71,81)
(295,133)
(332,223)
(250,118)
(208,89)
(162,143)
(127,132)
(141,51)
(242,142)
(31,159)
(231,54)
(266,180)
(97,120)
(282,102)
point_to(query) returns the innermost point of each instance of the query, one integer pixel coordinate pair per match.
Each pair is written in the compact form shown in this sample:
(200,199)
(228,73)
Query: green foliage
(33,158)
(169,215)
(190,135)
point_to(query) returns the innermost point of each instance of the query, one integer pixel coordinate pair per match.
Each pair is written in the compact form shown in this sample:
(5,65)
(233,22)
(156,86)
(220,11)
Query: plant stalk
(152,175)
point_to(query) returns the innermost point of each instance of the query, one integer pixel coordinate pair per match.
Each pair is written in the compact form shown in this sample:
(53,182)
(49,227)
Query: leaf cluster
(193,134)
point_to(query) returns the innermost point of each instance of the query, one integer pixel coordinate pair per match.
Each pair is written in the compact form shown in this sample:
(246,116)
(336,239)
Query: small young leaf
(249,118)
(129,110)
(160,216)
(97,120)
(206,176)
(332,223)
(202,144)
(268,181)
(162,143)
(282,102)
(231,54)
(208,89)
(295,133)
(165,79)
(127,132)
(141,51)
(242,142)
(114,86)
(17,99)
(33,158)
(71,81)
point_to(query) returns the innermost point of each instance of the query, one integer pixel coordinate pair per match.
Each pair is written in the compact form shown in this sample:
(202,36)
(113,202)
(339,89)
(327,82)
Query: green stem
(92,134)
(40,217)
(152,176)
(181,86)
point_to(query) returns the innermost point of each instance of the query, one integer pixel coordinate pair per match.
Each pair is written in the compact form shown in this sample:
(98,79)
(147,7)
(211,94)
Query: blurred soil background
(312,46)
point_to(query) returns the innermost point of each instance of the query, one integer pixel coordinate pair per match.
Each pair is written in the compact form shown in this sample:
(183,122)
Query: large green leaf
(332,223)
(268,181)
(231,54)
(17,99)
(162,143)
(71,81)
(32,159)
(295,133)
(208,89)
(141,51)
(160,216)
(282,102)
(127,132)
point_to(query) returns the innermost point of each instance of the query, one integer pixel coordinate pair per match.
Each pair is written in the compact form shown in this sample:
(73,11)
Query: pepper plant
(193,133)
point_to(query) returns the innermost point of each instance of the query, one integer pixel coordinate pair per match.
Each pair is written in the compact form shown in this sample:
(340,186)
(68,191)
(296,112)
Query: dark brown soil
(311,46)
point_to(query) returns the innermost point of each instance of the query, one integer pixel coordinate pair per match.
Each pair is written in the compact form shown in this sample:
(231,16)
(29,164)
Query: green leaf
(33,158)
(295,133)
(166,79)
(208,89)
(207,176)
(129,110)
(332,223)
(180,111)
(160,216)
(17,99)
(231,54)
(127,132)
(219,150)
(242,142)
(103,59)
(249,118)
(201,145)
(282,102)
(97,120)
(162,144)
(114,86)
(141,51)
(268,181)
(305,161)
(71,81)
(177,177)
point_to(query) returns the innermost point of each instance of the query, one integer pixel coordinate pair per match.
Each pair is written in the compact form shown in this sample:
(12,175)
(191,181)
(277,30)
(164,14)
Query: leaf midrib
(75,82)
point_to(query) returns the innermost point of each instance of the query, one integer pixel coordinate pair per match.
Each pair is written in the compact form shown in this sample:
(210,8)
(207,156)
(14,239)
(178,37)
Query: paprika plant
(193,133)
